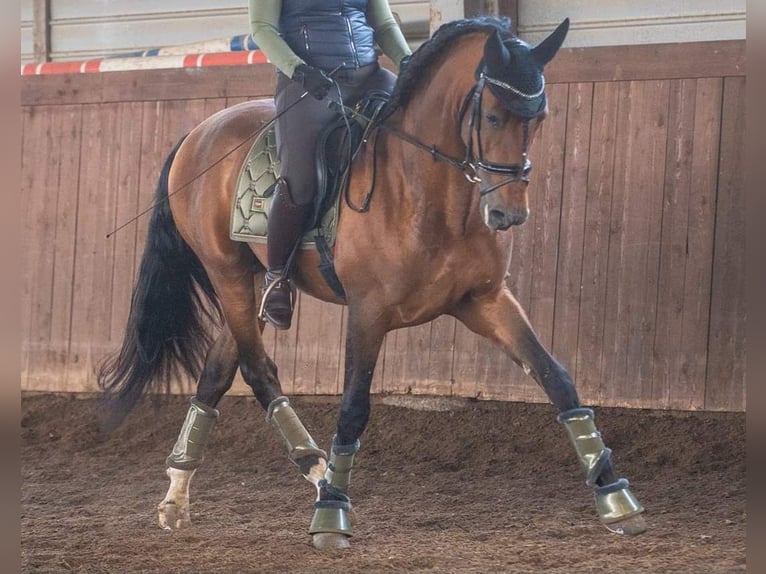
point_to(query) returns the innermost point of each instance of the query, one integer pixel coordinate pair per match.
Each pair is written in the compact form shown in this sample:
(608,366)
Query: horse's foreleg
(216,378)
(331,525)
(500,318)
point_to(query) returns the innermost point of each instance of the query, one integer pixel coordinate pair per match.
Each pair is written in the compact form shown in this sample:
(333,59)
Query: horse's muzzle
(502,219)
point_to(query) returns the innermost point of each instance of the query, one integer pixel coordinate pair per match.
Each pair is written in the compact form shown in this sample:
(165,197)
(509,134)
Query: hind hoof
(172,516)
(330,541)
(631,526)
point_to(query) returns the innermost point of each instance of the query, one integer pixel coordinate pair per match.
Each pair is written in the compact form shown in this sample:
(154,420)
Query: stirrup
(278,281)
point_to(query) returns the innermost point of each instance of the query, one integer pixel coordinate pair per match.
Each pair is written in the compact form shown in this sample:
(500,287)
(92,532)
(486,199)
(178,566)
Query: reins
(471,164)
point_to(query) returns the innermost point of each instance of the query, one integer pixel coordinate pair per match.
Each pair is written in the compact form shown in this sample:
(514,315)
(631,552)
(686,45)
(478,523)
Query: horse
(471,96)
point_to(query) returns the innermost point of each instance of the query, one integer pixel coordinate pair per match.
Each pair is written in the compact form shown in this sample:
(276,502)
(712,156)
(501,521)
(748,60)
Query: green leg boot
(182,463)
(617,507)
(195,433)
(331,514)
(302,449)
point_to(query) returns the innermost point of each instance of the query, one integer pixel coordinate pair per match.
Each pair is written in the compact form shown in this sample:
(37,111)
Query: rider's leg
(285,228)
(297,131)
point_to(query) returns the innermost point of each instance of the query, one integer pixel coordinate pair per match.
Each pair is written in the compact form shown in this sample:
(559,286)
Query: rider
(320,47)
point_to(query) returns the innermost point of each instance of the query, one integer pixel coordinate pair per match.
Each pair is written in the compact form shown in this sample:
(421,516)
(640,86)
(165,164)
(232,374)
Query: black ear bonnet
(513,71)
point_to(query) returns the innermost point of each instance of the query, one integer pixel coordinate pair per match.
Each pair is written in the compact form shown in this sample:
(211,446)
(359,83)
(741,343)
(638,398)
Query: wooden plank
(123,243)
(591,324)
(673,251)
(309,347)
(28,137)
(701,229)
(285,357)
(92,269)
(687,242)
(441,356)
(498,377)
(546,188)
(573,207)
(725,383)
(39,195)
(465,368)
(329,334)
(416,359)
(631,298)
(257,80)
(341,375)
(648,62)
(66,243)
(590,337)
(594,64)
(394,350)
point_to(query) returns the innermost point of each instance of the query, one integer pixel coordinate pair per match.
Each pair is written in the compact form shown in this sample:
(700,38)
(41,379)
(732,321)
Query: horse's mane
(424,56)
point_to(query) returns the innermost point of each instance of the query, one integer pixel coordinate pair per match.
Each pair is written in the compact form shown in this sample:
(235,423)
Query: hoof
(173,517)
(331,541)
(630,526)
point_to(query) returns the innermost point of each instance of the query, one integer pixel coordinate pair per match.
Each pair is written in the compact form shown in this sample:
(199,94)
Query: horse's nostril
(496,215)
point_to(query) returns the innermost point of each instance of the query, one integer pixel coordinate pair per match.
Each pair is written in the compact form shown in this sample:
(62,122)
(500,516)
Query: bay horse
(434,241)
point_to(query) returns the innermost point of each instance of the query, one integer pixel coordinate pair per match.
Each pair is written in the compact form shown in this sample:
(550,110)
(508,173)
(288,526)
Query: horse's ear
(496,55)
(545,50)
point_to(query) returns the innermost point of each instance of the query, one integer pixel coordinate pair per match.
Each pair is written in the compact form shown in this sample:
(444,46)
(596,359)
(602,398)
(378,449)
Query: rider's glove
(316,82)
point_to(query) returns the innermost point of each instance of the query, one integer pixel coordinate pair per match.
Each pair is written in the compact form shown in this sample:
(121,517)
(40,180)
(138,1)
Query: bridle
(473,162)
(477,163)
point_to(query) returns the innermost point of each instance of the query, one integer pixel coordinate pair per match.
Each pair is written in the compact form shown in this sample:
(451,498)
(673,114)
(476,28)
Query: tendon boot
(284,231)
(615,502)
(182,463)
(301,447)
(194,436)
(331,510)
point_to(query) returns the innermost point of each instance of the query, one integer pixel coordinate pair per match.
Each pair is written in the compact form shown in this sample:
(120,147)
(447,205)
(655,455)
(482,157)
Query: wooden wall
(631,266)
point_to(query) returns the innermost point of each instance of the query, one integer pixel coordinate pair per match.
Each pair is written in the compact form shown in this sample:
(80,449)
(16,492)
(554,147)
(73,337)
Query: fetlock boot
(284,230)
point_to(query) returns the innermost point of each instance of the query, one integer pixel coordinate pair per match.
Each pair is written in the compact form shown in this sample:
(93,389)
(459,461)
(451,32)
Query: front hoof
(630,526)
(331,541)
(172,516)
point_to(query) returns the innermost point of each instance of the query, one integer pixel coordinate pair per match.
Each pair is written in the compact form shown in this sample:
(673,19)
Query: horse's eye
(493,120)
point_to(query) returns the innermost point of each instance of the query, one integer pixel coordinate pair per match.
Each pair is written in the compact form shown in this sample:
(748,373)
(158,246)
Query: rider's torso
(328,33)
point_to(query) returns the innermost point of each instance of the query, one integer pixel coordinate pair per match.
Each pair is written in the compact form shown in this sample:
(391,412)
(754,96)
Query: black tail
(167,332)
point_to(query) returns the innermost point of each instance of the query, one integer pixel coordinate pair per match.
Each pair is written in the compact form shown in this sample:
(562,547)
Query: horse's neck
(431,116)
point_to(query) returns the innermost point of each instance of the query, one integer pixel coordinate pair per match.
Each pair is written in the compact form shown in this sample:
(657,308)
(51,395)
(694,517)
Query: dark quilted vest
(328,33)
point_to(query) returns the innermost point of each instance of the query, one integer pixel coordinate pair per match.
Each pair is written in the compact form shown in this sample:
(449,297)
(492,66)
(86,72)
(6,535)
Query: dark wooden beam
(475,8)
(510,8)
(41,30)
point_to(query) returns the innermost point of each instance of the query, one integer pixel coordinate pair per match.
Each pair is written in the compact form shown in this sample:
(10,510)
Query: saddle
(337,146)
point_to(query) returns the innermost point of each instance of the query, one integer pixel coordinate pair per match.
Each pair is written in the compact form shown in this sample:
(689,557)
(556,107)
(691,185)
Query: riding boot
(284,231)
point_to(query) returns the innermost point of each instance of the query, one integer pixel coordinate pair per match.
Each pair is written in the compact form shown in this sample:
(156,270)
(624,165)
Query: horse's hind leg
(240,345)
(216,378)
(500,318)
